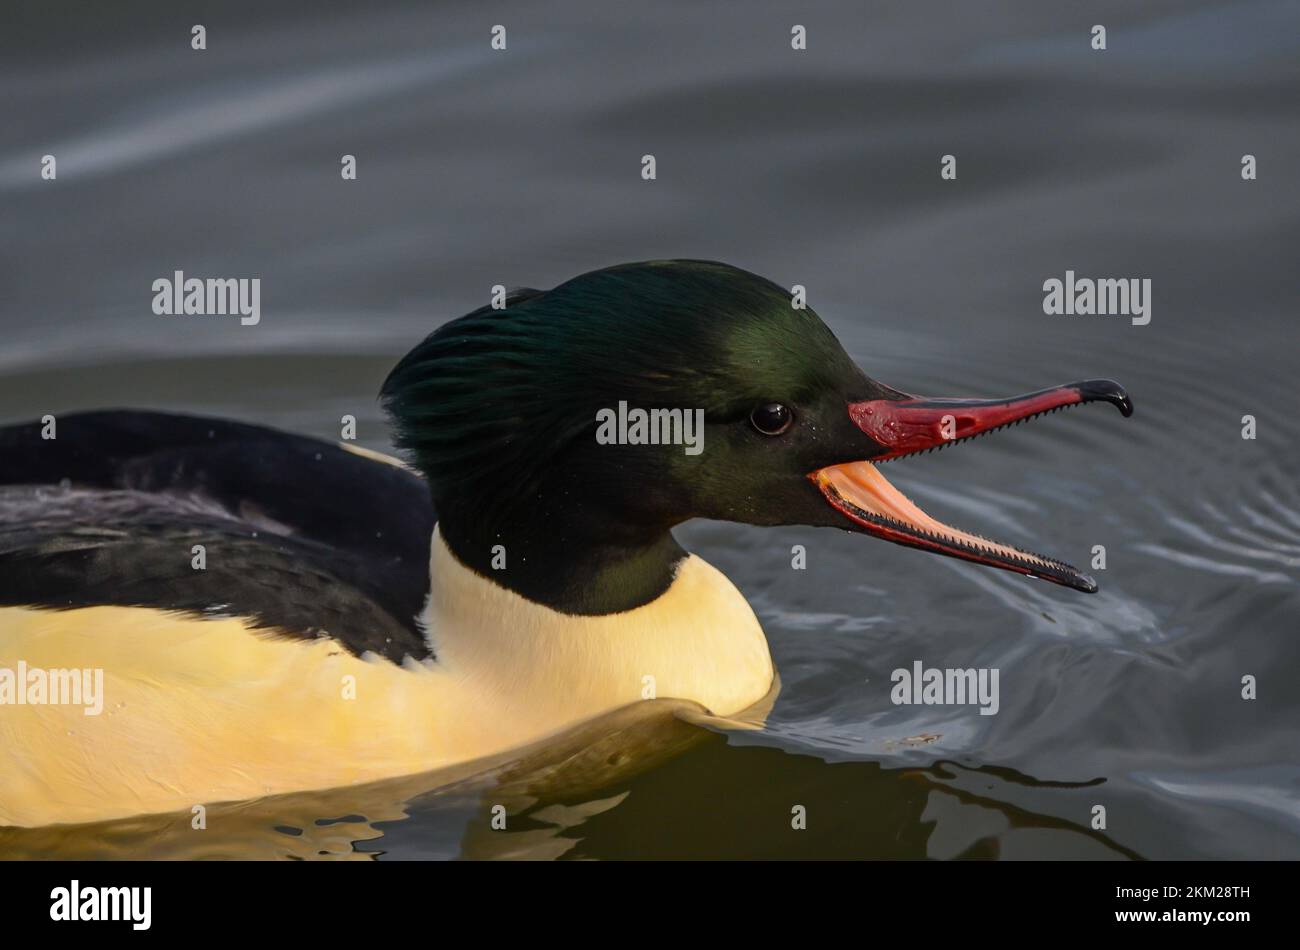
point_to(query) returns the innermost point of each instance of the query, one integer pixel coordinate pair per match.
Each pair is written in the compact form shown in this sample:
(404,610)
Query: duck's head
(509,413)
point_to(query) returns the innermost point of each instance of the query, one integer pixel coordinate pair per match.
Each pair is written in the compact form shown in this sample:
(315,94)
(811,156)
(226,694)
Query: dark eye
(771,418)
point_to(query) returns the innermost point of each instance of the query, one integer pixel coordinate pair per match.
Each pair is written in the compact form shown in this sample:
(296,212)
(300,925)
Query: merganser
(352,619)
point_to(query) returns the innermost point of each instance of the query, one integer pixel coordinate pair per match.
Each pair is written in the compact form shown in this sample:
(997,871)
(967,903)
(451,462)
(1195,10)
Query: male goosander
(351,619)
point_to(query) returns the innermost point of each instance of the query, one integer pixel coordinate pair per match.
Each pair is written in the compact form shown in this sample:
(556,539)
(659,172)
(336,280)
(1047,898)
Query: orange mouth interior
(892,515)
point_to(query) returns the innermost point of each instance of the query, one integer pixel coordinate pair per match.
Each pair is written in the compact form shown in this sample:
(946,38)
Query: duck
(269,613)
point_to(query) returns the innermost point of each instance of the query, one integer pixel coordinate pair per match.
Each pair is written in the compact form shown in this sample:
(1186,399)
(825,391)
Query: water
(820,168)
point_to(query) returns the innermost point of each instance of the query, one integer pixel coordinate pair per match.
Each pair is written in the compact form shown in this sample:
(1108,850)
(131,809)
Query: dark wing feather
(301,537)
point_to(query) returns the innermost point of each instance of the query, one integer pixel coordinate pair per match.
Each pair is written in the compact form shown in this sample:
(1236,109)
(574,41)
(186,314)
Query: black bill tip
(1106,390)
(1082,582)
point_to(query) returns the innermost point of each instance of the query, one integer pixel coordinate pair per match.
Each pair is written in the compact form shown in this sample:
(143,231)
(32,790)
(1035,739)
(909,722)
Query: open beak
(905,425)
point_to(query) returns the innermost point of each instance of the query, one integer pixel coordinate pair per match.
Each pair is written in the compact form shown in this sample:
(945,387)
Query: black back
(301,537)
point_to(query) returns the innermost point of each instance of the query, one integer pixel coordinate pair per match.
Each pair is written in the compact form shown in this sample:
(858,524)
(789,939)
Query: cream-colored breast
(199,711)
(699,641)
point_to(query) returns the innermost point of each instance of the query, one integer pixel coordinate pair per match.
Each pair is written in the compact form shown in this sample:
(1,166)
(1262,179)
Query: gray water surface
(819,168)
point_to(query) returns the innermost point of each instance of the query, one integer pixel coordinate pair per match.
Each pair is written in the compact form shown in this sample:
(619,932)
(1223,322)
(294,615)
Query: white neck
(699,641)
